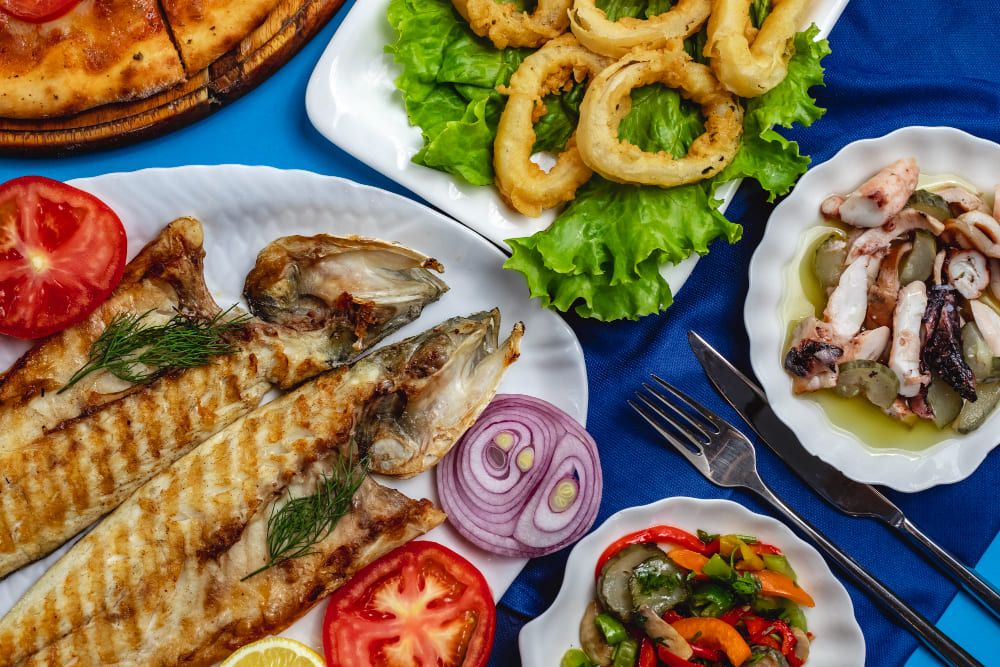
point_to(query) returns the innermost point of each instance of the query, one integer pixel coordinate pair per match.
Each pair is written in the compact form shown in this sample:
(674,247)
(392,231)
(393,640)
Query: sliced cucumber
(978,354)
(659,583)
(875,381)
(919,262)
(974,413)
(932,204)
(828,262)
(613,584)
(944,402)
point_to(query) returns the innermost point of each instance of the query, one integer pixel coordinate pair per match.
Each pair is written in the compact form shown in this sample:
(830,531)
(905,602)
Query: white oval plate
(938,150)
(838,639)
(245,208)
(352,100)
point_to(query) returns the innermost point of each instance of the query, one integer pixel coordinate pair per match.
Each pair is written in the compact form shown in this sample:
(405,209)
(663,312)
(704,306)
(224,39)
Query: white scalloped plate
(352,100)
(938,150)
(838,639)
(245,208)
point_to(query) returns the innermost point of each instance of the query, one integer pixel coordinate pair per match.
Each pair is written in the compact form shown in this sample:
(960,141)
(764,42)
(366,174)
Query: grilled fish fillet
(67,459)
(159,580)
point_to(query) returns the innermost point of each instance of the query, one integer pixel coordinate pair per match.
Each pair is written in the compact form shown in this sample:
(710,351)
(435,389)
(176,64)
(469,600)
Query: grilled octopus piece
(942,350)
(812,356)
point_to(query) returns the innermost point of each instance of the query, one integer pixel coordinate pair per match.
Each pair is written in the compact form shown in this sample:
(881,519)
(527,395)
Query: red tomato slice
(37,11)
(62,251)
(422,604)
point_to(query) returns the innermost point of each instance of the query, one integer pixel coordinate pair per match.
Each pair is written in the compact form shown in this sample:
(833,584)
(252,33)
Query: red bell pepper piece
(708,653)
(763,548)
(658,534)
(671,616)
(734,615)
(670,659)
(762,630)
(647,654)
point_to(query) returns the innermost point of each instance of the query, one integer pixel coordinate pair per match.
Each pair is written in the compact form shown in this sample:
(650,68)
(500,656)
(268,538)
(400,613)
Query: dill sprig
(136,351)
(302,523)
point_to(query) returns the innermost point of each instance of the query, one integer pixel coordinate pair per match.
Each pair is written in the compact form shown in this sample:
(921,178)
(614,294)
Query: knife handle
(967,577)
(939,643)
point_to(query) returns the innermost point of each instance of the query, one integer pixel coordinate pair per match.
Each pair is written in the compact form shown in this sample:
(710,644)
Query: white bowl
(938,150)
(838,639)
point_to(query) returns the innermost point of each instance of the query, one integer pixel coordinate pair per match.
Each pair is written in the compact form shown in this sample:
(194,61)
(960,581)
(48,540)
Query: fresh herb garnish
(650,577)
(746,584)
(132,349)
(302,523)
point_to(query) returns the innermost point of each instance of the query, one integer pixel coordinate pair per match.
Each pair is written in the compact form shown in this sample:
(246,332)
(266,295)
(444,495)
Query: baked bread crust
(101,51)
(206,29)
(107,51)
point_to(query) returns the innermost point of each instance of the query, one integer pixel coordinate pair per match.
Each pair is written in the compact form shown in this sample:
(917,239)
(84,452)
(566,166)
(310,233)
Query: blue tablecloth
(922,62)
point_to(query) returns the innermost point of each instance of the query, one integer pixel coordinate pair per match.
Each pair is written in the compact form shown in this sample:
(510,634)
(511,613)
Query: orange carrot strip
(689,560)
(775,583)
(713,633)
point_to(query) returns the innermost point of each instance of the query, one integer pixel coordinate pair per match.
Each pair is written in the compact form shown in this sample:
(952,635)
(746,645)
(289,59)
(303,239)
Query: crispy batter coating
(608,101)
(521,182)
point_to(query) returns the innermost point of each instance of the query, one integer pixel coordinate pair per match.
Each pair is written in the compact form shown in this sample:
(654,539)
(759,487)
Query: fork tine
(708,415)
(695,458)
(696,430)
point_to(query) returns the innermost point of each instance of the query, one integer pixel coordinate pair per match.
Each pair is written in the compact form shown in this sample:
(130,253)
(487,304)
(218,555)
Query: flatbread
(100,51)
(107,51)
(206,29)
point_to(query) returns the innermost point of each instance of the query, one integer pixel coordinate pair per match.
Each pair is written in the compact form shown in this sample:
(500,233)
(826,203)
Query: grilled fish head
(354,291)
(443,380)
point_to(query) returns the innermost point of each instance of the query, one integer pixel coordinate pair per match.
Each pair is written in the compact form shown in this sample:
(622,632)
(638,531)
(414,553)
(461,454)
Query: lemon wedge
(275,652)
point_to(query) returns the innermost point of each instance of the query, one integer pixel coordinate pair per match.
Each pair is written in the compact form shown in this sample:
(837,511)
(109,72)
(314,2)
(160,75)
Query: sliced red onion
(524,481)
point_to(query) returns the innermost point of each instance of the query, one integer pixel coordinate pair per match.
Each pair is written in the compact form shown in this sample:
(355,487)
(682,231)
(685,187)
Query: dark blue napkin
(921,62)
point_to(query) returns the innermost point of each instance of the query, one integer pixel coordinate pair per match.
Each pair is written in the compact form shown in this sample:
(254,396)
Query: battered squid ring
(505,26)
(521,182)
(747,64)
(616,38)
(608,101)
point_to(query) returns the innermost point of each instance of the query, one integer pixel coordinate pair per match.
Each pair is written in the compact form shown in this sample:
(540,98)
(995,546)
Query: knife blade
(847,495)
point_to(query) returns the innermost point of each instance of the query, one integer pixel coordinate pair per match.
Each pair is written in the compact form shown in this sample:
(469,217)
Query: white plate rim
(938,150)
(543,640)
(352,101)
(265,188)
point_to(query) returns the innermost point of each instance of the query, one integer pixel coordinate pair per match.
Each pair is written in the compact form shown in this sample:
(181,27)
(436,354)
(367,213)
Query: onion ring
(608,101)
(521,182)
(616,38)
(750,65)
(505,26)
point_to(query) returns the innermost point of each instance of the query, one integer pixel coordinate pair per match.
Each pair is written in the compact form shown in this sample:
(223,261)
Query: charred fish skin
(66,471)
(455,370)
(166,275)
(160,580)
(354,291)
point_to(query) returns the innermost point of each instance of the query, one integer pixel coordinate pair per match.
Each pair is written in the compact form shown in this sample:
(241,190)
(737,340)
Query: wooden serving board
(282,34)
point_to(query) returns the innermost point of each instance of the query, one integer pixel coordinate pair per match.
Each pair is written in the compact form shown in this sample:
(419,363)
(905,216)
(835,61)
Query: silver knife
(849,496)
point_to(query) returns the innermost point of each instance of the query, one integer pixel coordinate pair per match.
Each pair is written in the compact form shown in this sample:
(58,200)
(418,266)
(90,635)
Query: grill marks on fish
(58,485)
(71,461)
(166,275)
(158,582)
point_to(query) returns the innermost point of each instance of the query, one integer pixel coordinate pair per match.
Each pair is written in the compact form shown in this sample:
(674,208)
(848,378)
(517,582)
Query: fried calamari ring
(521,182)
(746,64)
(608,101)
(616,38)
(505,26)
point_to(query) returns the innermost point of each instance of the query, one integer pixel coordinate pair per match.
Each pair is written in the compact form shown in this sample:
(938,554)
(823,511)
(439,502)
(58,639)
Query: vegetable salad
(666,597)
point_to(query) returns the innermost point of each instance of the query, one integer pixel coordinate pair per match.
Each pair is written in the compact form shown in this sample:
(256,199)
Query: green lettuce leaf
(602,255)
(765,155)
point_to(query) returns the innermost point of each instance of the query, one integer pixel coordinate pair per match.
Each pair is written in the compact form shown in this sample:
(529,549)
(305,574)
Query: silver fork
(727,458)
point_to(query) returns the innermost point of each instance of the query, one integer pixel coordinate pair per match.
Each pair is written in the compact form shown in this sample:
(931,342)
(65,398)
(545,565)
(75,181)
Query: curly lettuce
(601,257)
